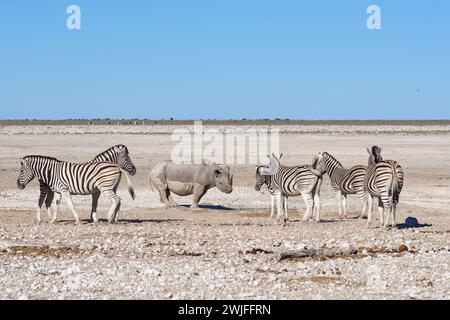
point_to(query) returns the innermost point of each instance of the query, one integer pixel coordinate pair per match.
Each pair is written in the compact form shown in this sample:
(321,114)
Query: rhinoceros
(187,179)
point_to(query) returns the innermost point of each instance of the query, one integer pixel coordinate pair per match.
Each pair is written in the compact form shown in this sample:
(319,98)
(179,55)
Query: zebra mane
(111,149)
(332,158)
(41,157)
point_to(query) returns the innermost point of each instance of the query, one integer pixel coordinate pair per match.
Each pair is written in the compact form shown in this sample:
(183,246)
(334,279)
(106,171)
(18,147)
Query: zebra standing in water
(69,179)
(118,154)
(384,180)
(275,195)
(343,181)
(294,181)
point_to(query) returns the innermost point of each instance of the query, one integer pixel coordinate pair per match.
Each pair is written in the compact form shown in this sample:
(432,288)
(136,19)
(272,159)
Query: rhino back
(189,173)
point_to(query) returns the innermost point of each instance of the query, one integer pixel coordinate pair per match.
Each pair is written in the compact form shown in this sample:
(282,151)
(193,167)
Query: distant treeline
(277,121)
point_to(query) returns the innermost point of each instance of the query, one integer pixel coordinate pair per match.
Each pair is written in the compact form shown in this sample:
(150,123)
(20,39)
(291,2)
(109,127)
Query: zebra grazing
(294,181)
(343,181)
(275,195)
(69,179)
(118,154)
(384,180)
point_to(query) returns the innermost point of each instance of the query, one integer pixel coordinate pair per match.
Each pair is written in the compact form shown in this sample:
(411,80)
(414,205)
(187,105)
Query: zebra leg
(48,203)
(309,201)
(339,197)
(385,202)
(317,206)
(280,205)
(115,206)
(55,210)
(272,206)
(381,211)
(43,191)
(285,202)
(394,209)
(344,205)
(364,209)
(41,200)
(68,198)
(369,209)
(95,197)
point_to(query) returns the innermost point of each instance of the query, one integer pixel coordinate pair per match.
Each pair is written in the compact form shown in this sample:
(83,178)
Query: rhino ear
(217,173)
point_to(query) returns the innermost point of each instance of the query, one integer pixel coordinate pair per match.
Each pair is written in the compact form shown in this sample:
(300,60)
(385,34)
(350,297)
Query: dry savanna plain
(229,248)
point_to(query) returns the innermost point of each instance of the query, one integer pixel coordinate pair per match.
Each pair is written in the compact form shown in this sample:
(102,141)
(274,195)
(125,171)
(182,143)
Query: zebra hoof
(38,222)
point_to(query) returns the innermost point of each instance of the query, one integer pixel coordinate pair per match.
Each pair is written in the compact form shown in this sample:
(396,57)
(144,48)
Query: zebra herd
(381,179)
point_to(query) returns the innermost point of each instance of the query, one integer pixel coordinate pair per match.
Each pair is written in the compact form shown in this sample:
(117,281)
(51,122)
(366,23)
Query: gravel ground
(229,248)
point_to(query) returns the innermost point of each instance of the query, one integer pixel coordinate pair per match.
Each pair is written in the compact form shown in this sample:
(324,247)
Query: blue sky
(225,59)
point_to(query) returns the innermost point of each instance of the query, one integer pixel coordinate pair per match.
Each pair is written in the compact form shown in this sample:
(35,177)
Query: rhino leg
(164,195)
(199,192)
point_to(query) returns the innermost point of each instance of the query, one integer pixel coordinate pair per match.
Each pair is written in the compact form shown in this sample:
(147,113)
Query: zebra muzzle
(20,185)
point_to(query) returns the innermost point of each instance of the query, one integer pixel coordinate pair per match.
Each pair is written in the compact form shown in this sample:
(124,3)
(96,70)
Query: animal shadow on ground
(147,220)
(208,206)
(123,221)
(412,222)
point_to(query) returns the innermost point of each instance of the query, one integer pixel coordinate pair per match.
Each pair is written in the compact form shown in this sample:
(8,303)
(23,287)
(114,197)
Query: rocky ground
(229,248)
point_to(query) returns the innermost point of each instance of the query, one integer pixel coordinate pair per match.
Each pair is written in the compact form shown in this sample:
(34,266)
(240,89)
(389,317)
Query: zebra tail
(395,187)
(130,184)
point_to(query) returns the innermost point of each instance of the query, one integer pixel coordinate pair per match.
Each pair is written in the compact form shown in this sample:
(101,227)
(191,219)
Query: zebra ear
(368,151)
(281,154)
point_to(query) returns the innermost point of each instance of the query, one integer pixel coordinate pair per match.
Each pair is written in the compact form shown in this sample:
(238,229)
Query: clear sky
(225,59)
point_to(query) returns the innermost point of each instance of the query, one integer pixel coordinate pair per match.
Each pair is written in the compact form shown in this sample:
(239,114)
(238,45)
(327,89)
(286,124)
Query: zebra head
(319,162)
(123,159)
(260,179)
(374,155)
(26,174)
(273,167)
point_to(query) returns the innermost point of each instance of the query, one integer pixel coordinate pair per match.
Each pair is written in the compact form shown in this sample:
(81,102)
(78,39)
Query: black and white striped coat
(343,181)
(384,180)
(68,179)
(295,181)
(117,154)
(275,195)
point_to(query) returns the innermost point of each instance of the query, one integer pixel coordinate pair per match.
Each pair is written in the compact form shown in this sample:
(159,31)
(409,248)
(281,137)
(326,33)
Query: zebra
(343,181)
(275,195)
(384,180)
(117,154)
(294,181)
(68,179)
